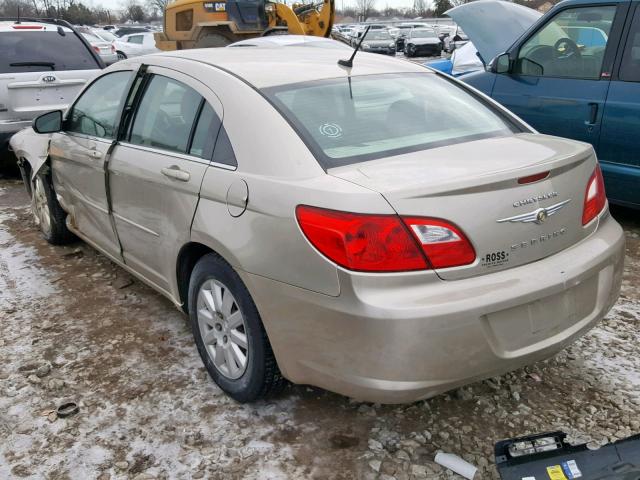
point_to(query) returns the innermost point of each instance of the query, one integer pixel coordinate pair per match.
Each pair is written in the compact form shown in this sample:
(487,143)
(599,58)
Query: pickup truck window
(571,44)
(630,69)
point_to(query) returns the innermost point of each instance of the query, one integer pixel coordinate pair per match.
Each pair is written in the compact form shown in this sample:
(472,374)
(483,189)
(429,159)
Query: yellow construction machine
(201,24)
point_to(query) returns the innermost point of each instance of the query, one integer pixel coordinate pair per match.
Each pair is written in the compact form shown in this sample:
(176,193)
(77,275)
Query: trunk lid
(25,95)
(475,186)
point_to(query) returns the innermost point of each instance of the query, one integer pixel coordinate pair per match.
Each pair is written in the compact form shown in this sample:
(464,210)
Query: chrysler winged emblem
(538,216)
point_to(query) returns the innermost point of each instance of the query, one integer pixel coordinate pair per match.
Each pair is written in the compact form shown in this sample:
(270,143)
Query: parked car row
(422,199)
(411,38)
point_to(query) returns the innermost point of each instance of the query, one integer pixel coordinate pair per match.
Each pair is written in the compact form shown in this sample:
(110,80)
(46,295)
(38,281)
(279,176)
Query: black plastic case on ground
(614,461)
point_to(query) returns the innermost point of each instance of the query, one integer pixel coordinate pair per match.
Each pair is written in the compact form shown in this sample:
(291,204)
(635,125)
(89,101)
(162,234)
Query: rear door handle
(174,172)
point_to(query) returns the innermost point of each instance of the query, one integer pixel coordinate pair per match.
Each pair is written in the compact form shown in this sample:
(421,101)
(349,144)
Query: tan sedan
(382,231)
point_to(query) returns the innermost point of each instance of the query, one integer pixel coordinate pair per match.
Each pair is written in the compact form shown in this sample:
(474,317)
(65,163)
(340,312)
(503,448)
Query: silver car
(381,231)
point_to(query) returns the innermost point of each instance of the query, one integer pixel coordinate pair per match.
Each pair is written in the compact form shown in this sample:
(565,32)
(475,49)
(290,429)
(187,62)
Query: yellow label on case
(555,473)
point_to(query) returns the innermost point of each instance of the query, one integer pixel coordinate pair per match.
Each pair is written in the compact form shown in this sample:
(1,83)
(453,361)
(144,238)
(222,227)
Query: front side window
(42,51)
(630,68)
(572,44)
(135,39)
(165,115)
(96,111)
(375,116)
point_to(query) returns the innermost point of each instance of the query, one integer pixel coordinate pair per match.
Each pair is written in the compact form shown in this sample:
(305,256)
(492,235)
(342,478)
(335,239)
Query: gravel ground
(77,328)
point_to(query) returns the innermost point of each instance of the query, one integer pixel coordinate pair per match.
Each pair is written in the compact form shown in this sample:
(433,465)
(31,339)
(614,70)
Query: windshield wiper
(51,65)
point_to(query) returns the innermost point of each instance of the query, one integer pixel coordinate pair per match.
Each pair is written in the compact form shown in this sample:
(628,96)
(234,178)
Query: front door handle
(174,172)
(593,114)
(95,154)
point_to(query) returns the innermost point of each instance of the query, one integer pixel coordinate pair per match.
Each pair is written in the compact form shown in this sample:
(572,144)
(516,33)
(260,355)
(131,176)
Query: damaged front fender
(31,147)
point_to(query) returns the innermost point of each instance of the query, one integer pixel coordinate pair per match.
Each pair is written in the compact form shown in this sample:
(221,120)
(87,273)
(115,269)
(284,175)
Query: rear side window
(630,68)
(96,111)
(135,39)
(165,115)
(374,116)
(36,51)
(204,136)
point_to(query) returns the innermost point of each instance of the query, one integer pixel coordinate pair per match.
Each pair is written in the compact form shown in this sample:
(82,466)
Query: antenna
(349,63)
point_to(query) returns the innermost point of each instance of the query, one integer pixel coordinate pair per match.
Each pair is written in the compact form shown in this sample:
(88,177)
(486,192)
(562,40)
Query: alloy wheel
(222,329)
(41,206)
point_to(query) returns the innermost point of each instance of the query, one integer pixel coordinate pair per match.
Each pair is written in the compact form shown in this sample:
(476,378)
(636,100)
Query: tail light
(384,243)
(444,244)
(113,48)
(96,48)
(595,197)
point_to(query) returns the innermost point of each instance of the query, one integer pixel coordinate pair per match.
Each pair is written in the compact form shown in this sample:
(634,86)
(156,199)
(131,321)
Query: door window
(135,39)
(630,69)
(204,137)
(572,44)
(96,111)
(166,115)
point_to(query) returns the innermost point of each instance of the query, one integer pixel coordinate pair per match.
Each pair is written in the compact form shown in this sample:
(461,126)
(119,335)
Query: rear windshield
(376,116)
(32,51)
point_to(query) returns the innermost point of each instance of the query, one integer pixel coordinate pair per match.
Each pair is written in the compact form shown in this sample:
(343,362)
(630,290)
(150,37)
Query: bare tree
(157,6)
(420,8)
(365,8)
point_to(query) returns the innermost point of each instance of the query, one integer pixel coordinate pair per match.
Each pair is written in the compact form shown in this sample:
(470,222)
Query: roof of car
(262,67)
(30,26)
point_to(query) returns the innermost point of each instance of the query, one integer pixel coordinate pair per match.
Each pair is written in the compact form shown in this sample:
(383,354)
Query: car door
(619,151)
(78,156)
(135,46)
(156,170)
(560,77)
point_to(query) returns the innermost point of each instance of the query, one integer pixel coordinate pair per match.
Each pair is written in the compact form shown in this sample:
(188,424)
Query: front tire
(49,215)
(229,334)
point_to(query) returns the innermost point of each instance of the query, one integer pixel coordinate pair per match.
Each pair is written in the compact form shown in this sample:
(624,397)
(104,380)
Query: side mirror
(501,64)
(50,122)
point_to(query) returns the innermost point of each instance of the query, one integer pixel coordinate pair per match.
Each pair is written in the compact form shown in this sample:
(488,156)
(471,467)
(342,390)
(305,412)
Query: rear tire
(225,336)
(49,215)
(121,55)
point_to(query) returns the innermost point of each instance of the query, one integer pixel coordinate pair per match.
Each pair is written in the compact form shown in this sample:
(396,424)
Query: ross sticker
(331,130)
(555,473)
(571,469)
(494,259)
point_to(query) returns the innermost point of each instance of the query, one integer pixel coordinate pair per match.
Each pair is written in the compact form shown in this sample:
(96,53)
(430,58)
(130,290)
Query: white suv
(43,65)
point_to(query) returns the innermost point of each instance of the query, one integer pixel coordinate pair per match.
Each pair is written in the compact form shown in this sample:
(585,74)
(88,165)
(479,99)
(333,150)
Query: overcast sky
(380,4)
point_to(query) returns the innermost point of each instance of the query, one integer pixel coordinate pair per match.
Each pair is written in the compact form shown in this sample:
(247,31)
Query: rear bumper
(389,340)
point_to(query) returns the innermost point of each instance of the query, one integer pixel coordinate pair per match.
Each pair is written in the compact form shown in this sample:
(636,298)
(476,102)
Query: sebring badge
(538,216)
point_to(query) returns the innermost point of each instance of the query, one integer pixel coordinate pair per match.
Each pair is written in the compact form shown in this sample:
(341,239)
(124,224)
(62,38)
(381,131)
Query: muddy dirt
(76,328)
